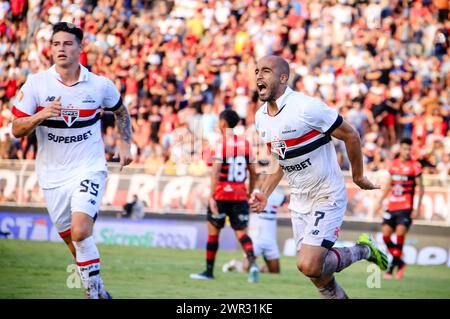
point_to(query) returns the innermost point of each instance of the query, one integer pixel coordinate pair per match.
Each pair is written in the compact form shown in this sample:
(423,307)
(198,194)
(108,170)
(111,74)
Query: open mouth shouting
(262,88)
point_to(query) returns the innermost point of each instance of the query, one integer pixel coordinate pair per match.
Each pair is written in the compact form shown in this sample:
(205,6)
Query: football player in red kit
(229,194)
(405,175)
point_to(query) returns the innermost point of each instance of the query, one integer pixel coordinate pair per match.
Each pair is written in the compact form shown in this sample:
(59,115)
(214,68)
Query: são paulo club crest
(70,116)
(279,148)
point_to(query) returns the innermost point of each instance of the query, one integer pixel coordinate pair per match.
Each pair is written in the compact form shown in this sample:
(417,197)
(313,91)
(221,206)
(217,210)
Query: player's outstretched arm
(23,126)
(124,127)
(352,142)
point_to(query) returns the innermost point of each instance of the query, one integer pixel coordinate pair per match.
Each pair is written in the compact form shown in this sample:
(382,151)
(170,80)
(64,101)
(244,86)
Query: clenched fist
(258,202)
(53,109)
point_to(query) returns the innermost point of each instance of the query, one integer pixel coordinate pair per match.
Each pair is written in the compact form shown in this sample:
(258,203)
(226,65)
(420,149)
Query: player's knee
(309,269)
(80,232)
(273,267)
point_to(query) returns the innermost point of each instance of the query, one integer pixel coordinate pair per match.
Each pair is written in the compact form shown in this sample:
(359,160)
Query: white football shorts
(321,226)
(267,249)
(84,195)
(263,233)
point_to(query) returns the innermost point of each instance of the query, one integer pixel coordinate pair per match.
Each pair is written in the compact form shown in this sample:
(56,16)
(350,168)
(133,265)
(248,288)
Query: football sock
(247,246)
(102,293)
(396,261)
(211,249)
(389,244)
(400,243)
(88,264)
(398,251)
(332,290)
(339,258)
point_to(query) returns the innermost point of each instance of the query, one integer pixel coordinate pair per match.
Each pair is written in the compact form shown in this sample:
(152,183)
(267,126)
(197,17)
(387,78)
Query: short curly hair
(69,28)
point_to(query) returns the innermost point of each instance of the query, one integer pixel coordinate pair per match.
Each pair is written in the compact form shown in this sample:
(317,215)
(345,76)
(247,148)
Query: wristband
(256,190)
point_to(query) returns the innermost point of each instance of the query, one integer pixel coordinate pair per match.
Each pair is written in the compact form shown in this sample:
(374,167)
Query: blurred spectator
(169,122)
(110,139)
(8,149)
(32,196)
(385,65)
(443,169)
(134,209)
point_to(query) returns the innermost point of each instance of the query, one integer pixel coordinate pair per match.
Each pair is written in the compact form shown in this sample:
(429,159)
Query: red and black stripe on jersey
(225,169)
(82,113)
(235,157)
(297,146)
(403,185)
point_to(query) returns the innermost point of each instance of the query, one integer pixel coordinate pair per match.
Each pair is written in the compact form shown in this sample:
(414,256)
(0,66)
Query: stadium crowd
(384,64)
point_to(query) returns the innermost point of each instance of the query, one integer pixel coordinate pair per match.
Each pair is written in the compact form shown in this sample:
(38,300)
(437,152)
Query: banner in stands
(188,194)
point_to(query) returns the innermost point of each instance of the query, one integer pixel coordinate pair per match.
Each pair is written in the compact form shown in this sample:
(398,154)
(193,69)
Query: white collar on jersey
(281,101)
(84,73)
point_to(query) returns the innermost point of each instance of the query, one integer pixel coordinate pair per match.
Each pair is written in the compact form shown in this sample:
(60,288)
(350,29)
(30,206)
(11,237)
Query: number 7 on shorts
(320,215)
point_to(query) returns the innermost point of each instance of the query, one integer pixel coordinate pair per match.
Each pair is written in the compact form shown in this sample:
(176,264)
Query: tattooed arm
(124,126)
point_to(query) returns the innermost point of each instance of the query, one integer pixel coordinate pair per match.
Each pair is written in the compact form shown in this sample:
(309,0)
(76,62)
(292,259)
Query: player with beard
(297,129)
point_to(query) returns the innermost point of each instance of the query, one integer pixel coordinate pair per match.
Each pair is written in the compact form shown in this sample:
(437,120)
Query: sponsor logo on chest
(88,99)
(399,178)
(288,130)
(297,167)
(406,169)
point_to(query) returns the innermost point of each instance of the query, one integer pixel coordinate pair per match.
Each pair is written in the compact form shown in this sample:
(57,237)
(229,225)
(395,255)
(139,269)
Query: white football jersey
(299,135)
(71,143)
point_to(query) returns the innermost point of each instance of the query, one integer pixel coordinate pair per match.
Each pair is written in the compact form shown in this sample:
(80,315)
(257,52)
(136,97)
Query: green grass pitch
(39,270)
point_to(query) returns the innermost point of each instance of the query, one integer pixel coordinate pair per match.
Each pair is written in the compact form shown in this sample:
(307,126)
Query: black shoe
(390,269)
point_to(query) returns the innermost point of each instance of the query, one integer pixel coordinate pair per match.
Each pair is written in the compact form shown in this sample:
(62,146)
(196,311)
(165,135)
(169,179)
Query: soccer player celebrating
(63,105)
(405,175)
(298,130)
(229,196)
